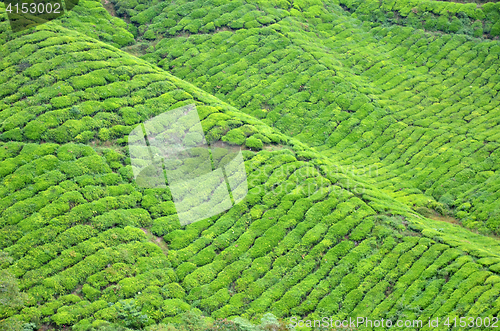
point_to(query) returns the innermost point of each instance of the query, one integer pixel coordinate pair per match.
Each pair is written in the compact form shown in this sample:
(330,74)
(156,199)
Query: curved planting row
(151,19)
(445,138)
(451,17)
(309,239)
(351,100)
(301,247)
(87,93)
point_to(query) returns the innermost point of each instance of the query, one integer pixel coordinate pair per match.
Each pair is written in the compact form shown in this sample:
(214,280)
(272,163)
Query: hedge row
(467,18)
(151,19)
(256,77)
(99,101)
(305,241)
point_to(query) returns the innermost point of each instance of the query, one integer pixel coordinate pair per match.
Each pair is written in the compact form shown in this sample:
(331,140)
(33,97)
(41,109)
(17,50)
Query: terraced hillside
(337,120)
(421,108)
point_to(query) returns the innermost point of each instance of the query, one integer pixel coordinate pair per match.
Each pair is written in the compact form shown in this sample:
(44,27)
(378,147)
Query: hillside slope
(310,239)
(419,107)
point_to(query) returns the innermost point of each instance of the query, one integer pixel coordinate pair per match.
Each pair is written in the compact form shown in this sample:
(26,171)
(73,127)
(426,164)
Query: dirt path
(438,217)
(434,215)
(158,241)
(109,6)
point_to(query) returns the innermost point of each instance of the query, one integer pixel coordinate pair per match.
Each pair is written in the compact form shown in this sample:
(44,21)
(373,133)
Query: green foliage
(398,118)
(192,320)
(174,307)
(14,325)
(225,325)
(235,137)
(11,297)
(130,315)
(90,292)
(254,143)
(495,29)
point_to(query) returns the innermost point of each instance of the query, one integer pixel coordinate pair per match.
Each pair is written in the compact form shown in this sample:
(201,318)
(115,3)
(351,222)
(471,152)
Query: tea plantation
(419,107)
(370,134)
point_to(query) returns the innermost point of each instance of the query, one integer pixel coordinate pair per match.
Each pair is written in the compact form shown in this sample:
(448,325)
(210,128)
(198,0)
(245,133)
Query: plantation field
(360,135)
(420,108)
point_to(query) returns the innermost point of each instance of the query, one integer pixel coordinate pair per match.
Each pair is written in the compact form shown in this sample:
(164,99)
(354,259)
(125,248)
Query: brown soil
(438,217)
(158,241)
(109,6)
(434,215)
(136,50)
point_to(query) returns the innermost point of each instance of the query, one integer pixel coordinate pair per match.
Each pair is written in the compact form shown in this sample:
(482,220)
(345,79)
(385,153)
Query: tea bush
(397,118)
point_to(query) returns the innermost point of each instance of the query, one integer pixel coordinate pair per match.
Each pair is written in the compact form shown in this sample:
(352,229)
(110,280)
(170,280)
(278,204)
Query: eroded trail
(158,241)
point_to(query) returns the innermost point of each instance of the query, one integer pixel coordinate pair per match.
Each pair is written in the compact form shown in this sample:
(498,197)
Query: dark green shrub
(443,23)
(12,324)
(11,297)
(495,29)
(129,315)
(29,327)
(193,320)
(477,27)
(456,25)
(174,307)
(430,23)
(90,292)
(225,325)
(14,134)
(235,137)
